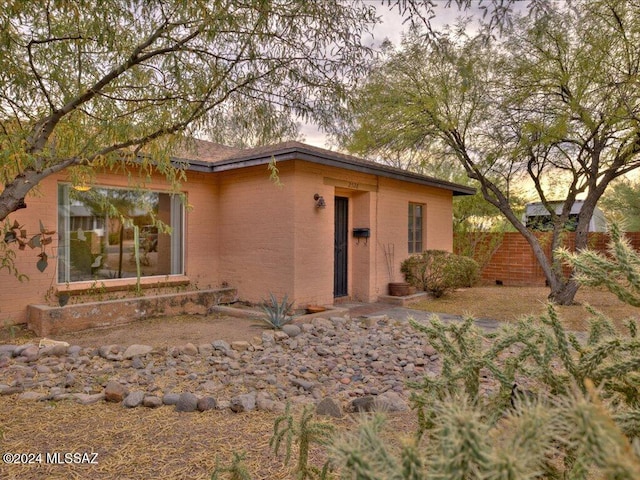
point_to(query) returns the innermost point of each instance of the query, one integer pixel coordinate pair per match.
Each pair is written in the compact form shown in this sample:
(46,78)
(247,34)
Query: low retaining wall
(46,320)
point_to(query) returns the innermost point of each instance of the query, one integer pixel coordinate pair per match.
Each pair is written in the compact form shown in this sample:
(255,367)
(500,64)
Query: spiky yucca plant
(277,311)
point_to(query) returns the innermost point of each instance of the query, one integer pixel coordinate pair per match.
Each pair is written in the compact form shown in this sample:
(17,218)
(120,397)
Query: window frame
(177,245)
(415,245)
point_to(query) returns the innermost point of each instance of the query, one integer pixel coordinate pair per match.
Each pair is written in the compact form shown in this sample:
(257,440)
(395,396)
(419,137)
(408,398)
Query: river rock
(170,398)
(187,402)
(206,403)
(305,384)
(31,396)
(151,401)
(69,380)
(335,360)
(53,351)
(137,351)
(221,345)
(114,392)
(291,329)
(243,403)
(21,348)
(30,354)
(329,407)
(8,350)
(363,404)
(134,399)
(190,349)
(390,402)
(240,345)
(88,399)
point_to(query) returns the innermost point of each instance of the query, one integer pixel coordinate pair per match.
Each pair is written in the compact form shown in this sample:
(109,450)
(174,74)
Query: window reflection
(97,233)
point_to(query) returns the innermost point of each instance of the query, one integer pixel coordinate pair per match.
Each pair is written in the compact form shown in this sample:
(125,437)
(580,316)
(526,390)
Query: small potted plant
(396,289)
(400,289)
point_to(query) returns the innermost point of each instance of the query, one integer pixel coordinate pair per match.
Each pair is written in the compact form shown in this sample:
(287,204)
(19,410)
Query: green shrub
(466,270)
(438,271)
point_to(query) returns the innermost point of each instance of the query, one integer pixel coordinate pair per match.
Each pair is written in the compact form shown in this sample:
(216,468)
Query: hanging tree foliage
(118,82)
(551,102)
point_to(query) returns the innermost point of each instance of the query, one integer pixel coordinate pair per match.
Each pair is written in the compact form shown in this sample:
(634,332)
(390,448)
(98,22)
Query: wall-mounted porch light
(320,203)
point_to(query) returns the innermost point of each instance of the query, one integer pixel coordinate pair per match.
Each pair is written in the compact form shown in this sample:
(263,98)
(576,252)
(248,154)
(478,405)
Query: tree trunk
(564,294)
(563,291)
(12,196)
(120,248)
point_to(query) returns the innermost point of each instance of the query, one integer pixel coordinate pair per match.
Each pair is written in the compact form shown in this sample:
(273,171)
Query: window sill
(122,284)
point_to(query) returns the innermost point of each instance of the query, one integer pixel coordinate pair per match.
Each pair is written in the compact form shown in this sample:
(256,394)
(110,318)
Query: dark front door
(340,249)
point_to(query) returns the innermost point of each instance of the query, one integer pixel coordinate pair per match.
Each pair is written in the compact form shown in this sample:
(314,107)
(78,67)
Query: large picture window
(416,211)
(96,233)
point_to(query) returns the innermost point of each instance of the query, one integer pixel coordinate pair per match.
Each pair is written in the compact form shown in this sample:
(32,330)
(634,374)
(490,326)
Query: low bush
(438,271)
(466,270)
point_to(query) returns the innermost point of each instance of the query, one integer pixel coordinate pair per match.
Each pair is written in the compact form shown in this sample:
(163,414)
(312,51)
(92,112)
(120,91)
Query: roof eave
(297,153)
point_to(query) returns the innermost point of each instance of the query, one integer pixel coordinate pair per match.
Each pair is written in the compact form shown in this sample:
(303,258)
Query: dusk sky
(391,28)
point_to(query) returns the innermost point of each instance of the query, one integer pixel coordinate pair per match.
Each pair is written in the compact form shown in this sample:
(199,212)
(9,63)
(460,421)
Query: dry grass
(145,443)
(508,304)
(15,334)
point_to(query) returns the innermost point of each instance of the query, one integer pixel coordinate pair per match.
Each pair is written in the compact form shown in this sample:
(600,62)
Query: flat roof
(204,156)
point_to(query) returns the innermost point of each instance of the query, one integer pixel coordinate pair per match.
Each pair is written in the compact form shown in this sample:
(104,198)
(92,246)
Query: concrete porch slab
(402,301)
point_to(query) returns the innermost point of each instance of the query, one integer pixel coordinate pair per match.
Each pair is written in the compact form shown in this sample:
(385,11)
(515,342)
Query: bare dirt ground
(505,304)
(157,332)
(178,330)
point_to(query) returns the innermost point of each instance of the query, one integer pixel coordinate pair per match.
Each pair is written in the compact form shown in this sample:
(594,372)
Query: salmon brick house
(333,226)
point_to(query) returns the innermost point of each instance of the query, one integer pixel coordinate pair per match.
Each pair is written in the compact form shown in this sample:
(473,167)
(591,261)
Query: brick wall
(244,231)
(201,259)
(513,262)
(392,225)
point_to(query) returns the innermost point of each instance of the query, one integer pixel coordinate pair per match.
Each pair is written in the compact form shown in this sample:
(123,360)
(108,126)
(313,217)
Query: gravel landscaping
(337,358)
